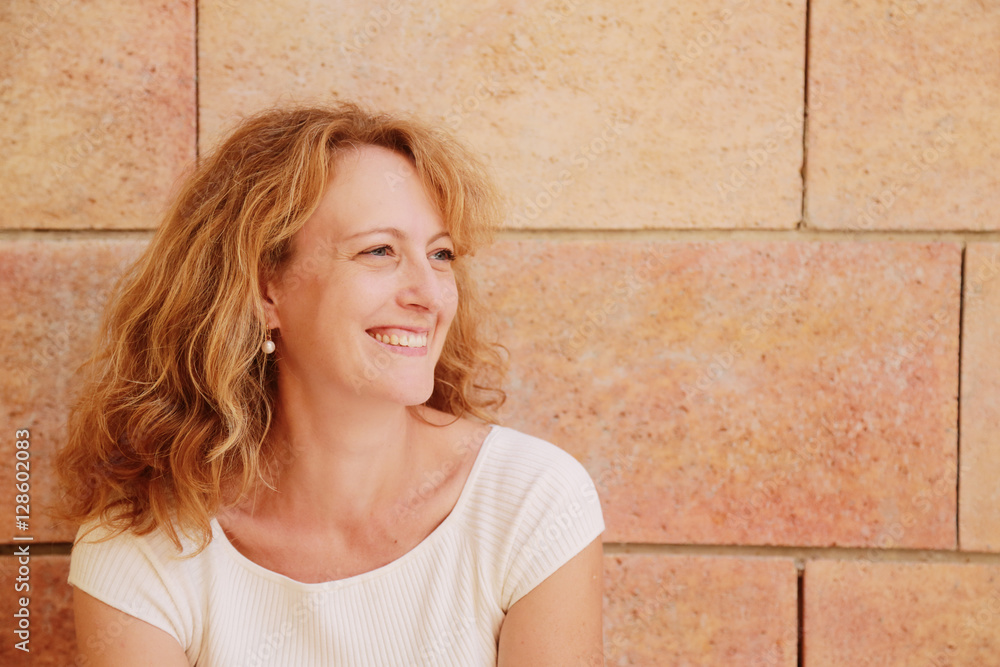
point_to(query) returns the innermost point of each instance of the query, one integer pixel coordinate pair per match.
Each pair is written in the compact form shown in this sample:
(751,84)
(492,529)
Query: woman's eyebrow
(395,232)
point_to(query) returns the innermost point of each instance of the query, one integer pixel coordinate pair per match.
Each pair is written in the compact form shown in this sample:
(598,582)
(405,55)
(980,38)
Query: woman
(286,453)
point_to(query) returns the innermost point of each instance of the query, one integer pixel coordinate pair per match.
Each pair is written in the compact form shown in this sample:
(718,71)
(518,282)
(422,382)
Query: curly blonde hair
(178,400)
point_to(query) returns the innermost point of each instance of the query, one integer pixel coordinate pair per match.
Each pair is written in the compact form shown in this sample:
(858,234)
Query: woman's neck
(340,465)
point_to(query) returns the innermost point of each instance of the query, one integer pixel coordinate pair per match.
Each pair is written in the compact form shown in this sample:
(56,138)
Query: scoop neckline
(219,535)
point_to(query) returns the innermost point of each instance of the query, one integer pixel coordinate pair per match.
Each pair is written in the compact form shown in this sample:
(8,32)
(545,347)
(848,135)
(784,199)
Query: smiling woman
(287,451)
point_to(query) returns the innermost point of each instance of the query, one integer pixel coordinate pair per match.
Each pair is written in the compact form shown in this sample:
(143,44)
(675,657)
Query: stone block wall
(750,279)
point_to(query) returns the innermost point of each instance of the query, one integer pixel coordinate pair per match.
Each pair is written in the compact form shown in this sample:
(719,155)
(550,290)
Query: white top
(525,510)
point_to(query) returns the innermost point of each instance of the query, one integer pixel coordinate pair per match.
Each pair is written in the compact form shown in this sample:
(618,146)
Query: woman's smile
(407,342)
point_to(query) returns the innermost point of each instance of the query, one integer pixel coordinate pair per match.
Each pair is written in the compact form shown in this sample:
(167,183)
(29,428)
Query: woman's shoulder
(525,454)
(522,469)
(97,540)
(143,575)
(538,507)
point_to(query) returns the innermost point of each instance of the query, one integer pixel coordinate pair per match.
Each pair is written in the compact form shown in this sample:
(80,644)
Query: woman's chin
(410,396)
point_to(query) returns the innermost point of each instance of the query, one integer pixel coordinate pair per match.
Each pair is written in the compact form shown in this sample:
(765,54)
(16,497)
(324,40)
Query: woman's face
(365,303)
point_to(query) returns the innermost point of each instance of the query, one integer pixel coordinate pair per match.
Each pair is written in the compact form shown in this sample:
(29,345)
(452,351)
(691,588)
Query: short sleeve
(125,573)
(561,515)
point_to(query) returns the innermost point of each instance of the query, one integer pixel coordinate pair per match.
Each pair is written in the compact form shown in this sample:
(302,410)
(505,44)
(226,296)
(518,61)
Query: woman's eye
(445,255)
(381,251)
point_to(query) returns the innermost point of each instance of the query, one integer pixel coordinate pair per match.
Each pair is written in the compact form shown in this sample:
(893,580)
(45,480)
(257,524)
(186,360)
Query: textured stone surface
(889,614)
(97,110)
(903,131)
(52,639)
(979,491)
(743,393)
(681,610)
(51,297)
(595,114)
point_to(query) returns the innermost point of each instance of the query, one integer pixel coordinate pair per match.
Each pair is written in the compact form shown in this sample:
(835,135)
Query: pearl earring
(268,344)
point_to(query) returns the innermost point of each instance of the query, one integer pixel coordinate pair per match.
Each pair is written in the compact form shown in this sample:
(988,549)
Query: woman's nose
(426,286)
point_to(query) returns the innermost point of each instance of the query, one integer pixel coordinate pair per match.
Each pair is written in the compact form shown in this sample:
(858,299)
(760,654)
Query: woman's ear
(270,289)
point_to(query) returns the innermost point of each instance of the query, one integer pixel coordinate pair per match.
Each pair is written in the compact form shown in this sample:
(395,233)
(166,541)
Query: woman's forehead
(373,188)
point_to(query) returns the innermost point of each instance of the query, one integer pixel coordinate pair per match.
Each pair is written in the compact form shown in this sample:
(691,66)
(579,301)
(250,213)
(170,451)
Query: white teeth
(413,340)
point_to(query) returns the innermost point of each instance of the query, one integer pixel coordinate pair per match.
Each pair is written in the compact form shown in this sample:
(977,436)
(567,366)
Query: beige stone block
(743,392)
(979,489)
(889,614)
(52,639)
(52,294)
(903,131)
(696,610)
(593,114)
(97,111)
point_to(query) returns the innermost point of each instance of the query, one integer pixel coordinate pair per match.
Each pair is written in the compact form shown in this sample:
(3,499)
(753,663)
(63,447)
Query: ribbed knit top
(527,507)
